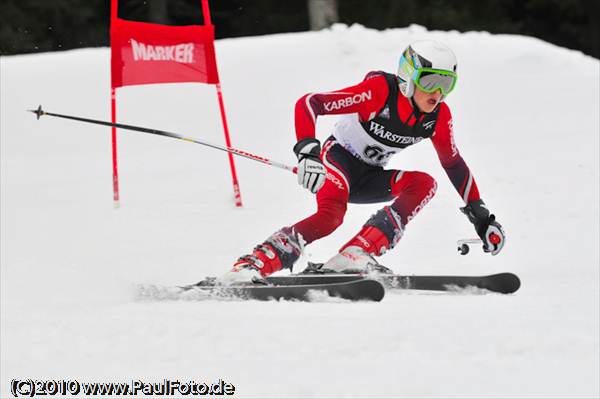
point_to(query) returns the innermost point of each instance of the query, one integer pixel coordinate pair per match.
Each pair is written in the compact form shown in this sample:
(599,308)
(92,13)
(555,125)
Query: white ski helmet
(428,64)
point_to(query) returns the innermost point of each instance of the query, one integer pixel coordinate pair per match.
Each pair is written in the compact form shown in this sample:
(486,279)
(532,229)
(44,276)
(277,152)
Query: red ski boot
(280,251)
(381,233)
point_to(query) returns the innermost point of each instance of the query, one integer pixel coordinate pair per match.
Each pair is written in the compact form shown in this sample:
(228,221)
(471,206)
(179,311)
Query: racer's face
(427,101)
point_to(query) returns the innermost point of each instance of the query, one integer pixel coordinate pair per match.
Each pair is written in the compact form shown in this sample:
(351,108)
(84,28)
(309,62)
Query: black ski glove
(487,228)
(311,172)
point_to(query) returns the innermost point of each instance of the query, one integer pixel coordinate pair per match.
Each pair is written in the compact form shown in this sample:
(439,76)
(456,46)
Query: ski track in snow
(526,121)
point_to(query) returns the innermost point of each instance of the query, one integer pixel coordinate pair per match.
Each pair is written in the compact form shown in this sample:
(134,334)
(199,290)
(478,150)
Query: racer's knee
(427,183)
(414,190)
(415,183)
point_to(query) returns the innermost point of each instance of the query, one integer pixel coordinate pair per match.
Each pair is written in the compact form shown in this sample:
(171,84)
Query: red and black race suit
(376,122)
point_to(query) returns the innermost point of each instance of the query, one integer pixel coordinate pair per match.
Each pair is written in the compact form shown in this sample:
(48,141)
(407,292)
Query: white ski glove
(311,172)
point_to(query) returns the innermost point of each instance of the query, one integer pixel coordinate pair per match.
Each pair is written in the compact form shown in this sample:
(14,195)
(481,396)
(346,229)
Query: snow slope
(526,121)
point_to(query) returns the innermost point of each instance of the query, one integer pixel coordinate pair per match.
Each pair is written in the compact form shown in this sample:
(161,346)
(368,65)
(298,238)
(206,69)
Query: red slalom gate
(147,53)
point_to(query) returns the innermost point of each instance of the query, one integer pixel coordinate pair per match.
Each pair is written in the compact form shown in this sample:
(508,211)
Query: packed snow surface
(526,121)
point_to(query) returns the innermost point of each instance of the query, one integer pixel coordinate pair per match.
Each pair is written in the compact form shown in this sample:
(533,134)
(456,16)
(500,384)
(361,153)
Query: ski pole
(39,112)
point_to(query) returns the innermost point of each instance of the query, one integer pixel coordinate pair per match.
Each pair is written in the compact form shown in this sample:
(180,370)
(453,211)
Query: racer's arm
(366,98)
(451,160)
(488,229)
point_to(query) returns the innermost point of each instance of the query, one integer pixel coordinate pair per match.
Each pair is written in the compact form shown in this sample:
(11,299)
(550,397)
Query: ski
(504,283)
(358,289)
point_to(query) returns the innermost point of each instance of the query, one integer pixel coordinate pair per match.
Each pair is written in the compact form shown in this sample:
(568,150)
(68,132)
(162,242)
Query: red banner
(145,53)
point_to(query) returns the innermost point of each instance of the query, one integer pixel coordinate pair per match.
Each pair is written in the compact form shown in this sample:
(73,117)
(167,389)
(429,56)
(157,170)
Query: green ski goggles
(430,80)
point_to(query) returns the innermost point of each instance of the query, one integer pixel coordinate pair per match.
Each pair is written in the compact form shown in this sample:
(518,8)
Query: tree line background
(28,26)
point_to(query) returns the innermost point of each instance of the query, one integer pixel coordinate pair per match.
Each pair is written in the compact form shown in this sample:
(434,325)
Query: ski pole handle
(463,245)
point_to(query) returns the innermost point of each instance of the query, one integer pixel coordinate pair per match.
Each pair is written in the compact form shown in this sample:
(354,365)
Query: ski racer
(380,116)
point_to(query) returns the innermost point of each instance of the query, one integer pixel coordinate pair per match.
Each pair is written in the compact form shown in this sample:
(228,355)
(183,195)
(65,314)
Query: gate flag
(148,53)
(145,53)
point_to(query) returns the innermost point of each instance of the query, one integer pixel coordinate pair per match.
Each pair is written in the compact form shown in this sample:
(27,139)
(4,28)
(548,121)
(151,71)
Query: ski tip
(39,112)
(516,281)
(377,291)
(508,283)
